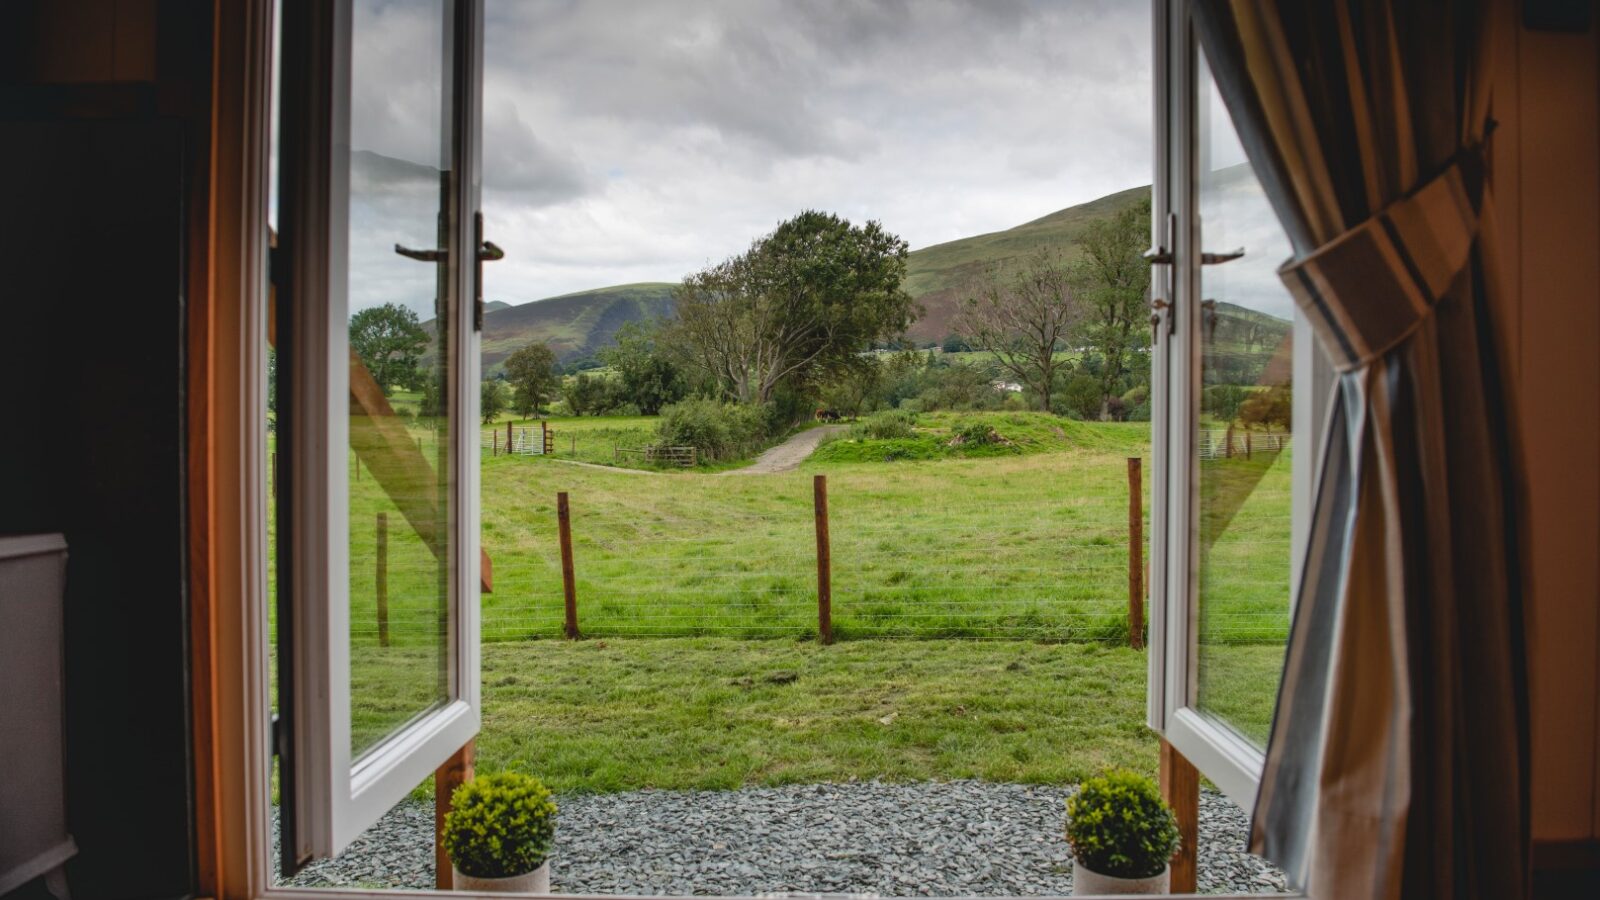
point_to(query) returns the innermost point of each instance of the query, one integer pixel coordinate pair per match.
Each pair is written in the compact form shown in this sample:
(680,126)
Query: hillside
(577,325)
(936,275)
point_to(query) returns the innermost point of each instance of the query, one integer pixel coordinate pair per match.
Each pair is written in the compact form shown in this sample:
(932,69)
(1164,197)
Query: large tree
(650,376)
(390,342)
(802,300)
(1022,317)
(1112,281)
(532,372)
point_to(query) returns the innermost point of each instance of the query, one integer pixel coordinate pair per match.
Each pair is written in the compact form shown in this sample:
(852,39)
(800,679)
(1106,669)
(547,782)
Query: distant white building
(1009,386)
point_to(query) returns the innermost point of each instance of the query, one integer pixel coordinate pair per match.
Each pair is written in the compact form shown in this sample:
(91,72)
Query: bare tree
(1022,317)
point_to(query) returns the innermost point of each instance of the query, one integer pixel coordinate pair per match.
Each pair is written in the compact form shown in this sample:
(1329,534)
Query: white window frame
(243,762)
(1220,753)
(338,795)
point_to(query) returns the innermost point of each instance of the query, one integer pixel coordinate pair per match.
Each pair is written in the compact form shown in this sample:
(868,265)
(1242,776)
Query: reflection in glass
(400,386)
(1243,441)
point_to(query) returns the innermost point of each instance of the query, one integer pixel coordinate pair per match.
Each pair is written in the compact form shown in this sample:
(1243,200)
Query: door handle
(1217,259)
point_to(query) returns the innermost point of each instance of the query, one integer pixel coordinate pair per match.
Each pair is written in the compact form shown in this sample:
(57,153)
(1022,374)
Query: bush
(1118,825)
(492,400)
(971,434)
(717,430)
(499,825)
(891,424)
(1078,398)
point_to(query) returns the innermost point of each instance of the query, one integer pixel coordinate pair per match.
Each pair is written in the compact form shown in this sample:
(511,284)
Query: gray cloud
(632,141)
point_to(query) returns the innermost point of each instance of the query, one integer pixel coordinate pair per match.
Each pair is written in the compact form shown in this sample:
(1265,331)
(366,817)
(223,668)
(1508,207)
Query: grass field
(974,552)
(596,439)
(721,713)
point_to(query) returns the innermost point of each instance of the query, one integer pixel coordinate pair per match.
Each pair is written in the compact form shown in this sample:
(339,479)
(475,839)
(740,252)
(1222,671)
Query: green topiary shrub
(1118,825)
(500,825)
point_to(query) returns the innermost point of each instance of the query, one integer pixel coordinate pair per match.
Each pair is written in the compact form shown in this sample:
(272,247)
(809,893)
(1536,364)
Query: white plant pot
(1089,883)
(535,882)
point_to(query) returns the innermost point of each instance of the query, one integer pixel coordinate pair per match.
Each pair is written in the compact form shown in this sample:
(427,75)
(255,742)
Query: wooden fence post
(509,443)
(456,771)
(1180,787)
(819,493)
(1135,554)
(568,580)
(494,446)
(1247,445)
(382,579)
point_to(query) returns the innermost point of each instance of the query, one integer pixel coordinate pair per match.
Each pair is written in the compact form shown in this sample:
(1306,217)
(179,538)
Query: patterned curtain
(1398,760)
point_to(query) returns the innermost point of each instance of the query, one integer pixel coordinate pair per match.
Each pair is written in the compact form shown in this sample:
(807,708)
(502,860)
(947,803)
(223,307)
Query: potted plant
(498,834)
(1122,834)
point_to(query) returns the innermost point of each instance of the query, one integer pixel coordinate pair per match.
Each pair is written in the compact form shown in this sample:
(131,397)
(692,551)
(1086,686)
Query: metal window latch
(1217,259)
(1163,307)
(1157,306)
(1158,256)
(421,255)
(488,251)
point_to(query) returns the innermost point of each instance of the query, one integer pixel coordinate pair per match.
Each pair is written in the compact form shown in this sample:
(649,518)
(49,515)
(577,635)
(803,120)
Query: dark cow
(828,415)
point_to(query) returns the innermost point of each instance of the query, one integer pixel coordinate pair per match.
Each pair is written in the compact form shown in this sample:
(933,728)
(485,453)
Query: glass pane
(400,374)
(1243,441)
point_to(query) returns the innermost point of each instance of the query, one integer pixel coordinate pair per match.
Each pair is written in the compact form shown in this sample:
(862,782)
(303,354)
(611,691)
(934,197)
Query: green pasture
(1019,547)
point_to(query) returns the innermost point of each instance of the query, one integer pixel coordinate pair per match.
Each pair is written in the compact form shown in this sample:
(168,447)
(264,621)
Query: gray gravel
(931,839)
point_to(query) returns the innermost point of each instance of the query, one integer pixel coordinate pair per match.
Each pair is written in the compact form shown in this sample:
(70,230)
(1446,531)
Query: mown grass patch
(624,714)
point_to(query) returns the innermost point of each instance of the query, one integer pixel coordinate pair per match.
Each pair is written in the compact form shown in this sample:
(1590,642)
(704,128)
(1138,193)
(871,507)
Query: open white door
(378,462)
(1235,407)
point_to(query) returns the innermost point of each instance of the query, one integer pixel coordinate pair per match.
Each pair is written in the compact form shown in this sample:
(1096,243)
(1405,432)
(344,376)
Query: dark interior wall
(102,173)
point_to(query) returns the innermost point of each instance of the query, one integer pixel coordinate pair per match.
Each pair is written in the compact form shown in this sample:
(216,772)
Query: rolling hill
(936,275)
(577,325)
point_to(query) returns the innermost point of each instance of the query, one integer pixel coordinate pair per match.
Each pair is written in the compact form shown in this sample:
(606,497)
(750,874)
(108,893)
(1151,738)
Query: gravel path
(789,454)
(932,839)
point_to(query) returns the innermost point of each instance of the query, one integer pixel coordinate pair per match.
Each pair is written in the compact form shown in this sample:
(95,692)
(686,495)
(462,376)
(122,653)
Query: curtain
(1398,759)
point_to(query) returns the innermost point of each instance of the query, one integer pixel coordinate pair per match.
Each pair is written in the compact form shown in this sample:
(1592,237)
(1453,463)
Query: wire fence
(1051,559)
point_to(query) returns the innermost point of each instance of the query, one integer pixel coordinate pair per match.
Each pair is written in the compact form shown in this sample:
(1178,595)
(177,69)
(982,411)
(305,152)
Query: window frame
(337,794)
(1220,753)
(235,759)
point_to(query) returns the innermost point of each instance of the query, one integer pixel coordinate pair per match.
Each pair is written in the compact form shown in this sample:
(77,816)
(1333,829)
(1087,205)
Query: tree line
(788,325)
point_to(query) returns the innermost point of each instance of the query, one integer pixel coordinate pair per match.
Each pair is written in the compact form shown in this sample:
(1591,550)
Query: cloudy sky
(640,140)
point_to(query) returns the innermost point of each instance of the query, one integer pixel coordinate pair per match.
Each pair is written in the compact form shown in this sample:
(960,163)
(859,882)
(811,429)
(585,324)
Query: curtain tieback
(1368,289)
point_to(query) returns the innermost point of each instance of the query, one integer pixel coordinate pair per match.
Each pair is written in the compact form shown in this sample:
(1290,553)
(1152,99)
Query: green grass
(596,439)
(1022,433)
(590,439)
(1021,542)
(1025,547)
(720,713)
(1025,544)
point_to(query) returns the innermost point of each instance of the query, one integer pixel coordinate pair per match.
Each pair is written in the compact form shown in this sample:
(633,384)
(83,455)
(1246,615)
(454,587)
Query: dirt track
(789,454)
